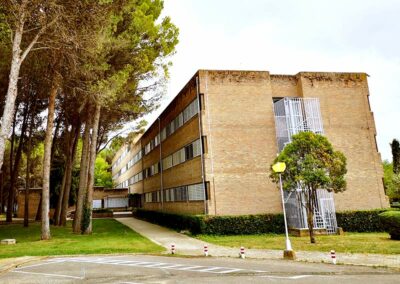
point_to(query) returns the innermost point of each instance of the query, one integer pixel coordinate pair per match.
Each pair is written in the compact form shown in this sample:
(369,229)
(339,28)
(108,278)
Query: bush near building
(391,223)
(350,221)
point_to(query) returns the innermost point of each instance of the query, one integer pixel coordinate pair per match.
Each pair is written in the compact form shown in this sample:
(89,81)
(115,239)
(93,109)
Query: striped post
(242,253)
(333,256)
(205,250)
(172,249)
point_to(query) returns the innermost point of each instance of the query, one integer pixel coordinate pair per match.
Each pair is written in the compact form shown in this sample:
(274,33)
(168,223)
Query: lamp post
(288,253)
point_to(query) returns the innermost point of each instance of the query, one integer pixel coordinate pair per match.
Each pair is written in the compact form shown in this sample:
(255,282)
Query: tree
(391,181)
(128,61)
(395,145)
(27,21)
(311,164)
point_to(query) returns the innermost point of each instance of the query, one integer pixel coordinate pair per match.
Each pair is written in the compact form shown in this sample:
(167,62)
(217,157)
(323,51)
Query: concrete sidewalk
(185,245)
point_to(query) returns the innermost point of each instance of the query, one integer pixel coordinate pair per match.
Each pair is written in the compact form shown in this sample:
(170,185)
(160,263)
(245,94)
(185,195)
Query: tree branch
(35,39)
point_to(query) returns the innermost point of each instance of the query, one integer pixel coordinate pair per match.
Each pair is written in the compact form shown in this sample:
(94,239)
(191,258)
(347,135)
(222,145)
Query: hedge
(391,222)
(350,221)
(216,225)
(244,225)
(192,223)
(361,221)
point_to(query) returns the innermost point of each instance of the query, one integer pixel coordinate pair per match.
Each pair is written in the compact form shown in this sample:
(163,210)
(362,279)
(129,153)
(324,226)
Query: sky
(286,37)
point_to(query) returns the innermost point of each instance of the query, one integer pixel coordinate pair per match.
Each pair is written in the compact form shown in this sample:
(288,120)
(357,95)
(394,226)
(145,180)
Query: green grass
(349,243)
(109,236)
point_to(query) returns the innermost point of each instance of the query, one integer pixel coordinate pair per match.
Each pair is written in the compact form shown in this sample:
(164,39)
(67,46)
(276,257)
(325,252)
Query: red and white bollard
(242,253)
(333,256)
(172,249)
(205,250)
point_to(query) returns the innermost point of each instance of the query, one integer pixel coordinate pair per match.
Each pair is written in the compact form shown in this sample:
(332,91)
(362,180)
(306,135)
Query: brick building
(217,162)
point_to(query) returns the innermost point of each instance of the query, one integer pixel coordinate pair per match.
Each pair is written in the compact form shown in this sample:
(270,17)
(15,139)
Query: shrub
(179,222)
(216,225)
(102,210)
(391,222)
(360,221)
(244,225)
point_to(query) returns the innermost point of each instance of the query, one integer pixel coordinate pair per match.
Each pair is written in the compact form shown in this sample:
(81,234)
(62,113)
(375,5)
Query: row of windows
(190,111)
(184,154)
(123,155)
(194,192)
(136,178)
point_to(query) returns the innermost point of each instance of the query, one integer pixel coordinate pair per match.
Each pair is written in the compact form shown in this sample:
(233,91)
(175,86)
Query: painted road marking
(48,274)
(158,265)
(286,277)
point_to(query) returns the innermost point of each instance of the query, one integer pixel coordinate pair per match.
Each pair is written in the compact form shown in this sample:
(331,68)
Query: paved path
(186,245)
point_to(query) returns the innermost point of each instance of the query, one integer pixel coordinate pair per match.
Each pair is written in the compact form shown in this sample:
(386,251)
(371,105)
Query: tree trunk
(68,172)
(39,210)
(57,212)
(1,191)
(10,199)
(310,203)
(82,180)
(47,160)
(9,108)
(14,171)
(28,176)
(92,161)
(310,223)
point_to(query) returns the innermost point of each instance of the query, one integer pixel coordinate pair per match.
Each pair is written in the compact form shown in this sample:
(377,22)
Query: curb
(15,262)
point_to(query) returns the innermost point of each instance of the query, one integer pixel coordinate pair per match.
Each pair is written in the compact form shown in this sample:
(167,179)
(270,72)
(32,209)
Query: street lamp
(288,253)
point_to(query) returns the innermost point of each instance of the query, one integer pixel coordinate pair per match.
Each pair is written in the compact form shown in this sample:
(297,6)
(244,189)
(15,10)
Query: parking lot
(164,269)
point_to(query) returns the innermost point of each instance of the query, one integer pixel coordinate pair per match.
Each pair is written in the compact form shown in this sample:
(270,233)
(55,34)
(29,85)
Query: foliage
(395,145)
(179,222)
(347,243)
(216,225)
(244,225)
(102,171)
(391,181)
(109,236)
(391,223)
(360,221)
(102,210)
(311,164)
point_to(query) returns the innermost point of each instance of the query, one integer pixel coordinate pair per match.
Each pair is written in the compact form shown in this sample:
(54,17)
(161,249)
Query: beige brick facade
(238,128)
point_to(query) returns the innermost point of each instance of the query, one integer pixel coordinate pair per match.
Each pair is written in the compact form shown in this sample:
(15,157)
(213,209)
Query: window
(178,157)
(189,152)
(163,134)
(167,162)
(196,192)
(196,148)
(181,193)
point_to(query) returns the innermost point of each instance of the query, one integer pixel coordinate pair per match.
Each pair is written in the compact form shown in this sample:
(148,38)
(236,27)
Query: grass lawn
(109,236)
(350,242)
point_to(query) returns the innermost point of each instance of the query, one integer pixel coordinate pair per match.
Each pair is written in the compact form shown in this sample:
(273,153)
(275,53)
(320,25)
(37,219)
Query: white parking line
(286,277)
(48,274)
(158,265)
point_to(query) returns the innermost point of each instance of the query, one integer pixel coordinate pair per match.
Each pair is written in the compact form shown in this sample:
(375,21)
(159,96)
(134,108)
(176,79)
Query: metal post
(201,146)
(288,244)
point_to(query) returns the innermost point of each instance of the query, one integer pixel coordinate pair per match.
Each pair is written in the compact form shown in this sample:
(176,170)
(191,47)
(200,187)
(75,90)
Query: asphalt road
(165,269)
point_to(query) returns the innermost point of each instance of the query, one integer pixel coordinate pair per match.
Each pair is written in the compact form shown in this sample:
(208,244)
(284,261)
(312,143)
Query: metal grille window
(196,192)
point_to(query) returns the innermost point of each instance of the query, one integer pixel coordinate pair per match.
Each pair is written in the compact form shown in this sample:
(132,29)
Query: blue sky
(285,37)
